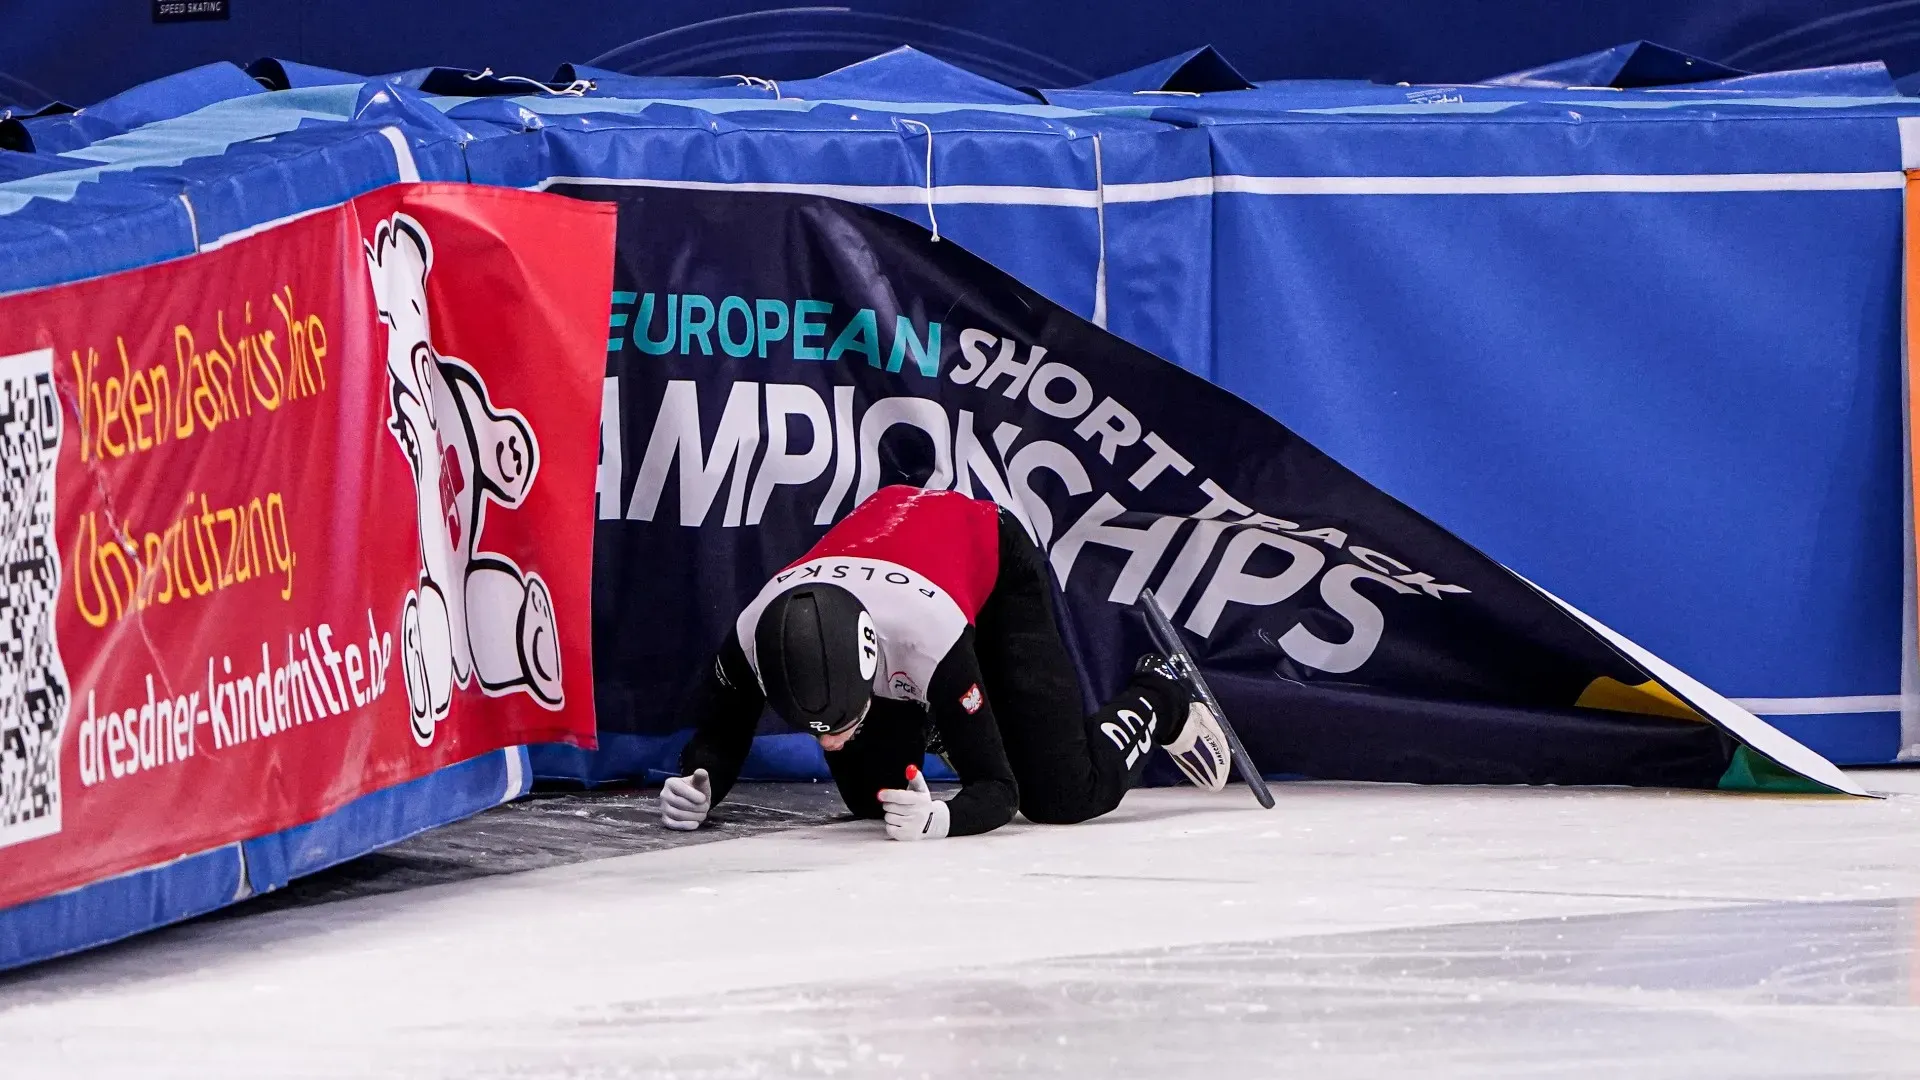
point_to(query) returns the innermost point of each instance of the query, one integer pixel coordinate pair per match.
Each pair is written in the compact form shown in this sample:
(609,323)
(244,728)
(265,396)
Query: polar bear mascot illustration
(474,616)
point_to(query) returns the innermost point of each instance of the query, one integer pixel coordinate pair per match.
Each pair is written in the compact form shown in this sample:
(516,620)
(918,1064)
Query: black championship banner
(775,358)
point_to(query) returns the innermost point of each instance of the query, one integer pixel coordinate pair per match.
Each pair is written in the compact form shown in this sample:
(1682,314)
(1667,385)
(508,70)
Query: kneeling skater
(932,606)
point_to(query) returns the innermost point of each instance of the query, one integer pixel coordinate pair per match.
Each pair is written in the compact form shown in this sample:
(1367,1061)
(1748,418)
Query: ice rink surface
(1353,931)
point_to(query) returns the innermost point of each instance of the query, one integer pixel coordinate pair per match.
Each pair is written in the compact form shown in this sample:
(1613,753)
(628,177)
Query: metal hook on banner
(931,220)
(757,83)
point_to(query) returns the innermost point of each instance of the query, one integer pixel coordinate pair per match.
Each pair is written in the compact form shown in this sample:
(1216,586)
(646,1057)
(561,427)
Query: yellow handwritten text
(201,551)
(216,378)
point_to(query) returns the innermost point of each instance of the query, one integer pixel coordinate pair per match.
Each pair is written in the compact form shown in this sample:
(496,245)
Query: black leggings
(1069,766)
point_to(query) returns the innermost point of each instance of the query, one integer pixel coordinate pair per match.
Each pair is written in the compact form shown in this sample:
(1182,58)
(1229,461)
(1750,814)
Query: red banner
(294,520)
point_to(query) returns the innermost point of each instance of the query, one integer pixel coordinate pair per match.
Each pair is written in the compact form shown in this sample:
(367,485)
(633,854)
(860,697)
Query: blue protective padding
(14,166)
(1196,71)
(205,133)
(161,99)
(1159,250)
(1157,273)
(387,817)
(1679,411)
(119,907)
(1634,64)
(1846,738)
(220,125)
(264,181)
(419,114)
(622,758)
(789,756)
(51,243)
(1547,139)
(239,163)
(276,74)
(137,210)
(831,112)
(794,756)
(1055,248)
(905,75)
(143,900)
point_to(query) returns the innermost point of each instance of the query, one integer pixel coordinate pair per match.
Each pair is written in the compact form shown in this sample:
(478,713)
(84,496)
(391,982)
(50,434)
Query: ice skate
(1200,747)
(1208,741)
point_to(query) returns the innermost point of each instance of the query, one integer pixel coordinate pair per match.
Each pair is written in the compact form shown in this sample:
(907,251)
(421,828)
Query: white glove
(914,814)
(685,800)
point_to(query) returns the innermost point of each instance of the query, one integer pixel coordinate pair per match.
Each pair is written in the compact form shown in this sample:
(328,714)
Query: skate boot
(1199,748)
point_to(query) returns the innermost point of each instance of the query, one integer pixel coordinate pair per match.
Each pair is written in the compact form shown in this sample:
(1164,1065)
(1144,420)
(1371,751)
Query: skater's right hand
(685,800)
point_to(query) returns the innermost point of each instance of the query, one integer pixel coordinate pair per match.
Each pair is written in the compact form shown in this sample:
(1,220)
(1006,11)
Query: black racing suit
(1003,699)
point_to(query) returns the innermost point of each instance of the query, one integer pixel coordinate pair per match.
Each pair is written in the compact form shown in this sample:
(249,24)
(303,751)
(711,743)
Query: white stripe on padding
(244,888)
(402,155)
(1820,706)
(516,777)
(1160,190)
(1572,184)
(1197,186)
(1910,142)
(193,219)
(256,230)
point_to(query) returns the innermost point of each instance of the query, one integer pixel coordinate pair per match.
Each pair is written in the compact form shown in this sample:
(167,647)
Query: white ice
(1354,930)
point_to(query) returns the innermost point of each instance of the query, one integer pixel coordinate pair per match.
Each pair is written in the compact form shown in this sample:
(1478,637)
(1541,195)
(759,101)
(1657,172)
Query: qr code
(33,682)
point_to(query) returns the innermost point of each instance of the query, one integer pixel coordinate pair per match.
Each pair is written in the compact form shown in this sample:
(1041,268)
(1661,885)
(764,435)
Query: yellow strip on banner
(1648,699)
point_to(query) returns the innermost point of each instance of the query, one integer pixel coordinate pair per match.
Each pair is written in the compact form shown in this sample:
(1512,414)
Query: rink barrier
(291,816)
(120,907)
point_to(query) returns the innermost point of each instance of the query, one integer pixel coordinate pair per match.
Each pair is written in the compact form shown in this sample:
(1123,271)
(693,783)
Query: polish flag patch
(972,699)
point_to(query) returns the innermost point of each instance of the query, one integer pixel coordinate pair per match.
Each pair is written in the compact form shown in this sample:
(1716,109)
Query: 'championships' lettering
(1224,551)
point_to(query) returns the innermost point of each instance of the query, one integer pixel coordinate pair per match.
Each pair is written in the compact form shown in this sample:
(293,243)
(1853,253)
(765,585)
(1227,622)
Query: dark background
(82,50)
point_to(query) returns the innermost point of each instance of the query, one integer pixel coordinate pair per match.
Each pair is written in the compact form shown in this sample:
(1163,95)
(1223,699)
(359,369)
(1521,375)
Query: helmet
(817,653)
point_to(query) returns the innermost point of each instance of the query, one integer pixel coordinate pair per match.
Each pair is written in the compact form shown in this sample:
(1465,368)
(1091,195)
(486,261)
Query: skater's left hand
(685,800)
(913,813)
